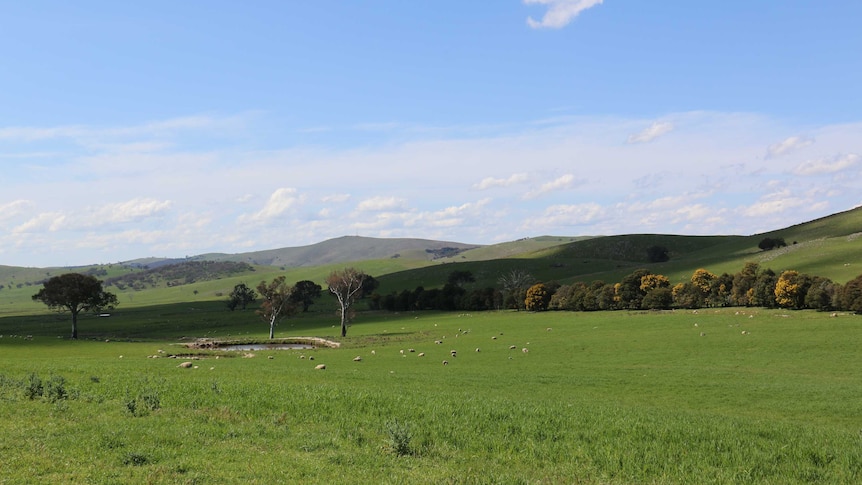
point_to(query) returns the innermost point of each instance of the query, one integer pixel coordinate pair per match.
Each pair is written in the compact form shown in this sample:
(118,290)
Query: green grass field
(729,396)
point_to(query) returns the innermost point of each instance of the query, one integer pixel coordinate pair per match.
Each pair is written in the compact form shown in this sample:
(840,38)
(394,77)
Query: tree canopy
(75,293)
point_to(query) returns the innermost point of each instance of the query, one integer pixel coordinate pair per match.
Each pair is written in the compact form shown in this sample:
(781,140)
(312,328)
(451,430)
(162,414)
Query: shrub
(399,437)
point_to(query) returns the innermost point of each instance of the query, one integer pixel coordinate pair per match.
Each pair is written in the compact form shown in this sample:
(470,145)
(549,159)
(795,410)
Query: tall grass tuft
(399,437)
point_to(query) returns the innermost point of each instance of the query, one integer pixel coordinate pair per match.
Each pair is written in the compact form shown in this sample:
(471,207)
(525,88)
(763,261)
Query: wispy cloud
(560,216)
(280,202)
(560,12)
(788,145)
(376,204)
(827,165)
(491,182)
(564,182)
(649,134)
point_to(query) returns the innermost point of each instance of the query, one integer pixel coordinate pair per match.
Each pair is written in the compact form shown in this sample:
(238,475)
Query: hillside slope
(346,249)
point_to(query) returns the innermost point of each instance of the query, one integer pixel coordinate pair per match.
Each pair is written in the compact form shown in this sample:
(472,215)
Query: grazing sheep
(373,353)
(703,334)
(320,367)
(402,351)
(477,349)
(525,350)
(421,354)
(270,357)
(357,359)
(494,337)
(186,365)
(512,347)
(438,342)
(454,353)
(445,362)
(411,350)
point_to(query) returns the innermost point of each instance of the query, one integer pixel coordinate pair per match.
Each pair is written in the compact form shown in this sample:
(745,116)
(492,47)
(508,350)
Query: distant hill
(345,249)
(830,247)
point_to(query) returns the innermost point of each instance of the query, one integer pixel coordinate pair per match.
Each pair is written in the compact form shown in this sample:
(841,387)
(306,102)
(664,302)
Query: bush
(768,243)
(399,437)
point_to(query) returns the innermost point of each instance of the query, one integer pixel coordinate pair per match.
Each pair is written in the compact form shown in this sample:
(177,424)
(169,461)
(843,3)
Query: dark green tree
(658,299)
(241,297)
(768,243)
(743,282)
(369,284)
(305,292)
(657,254)
(460,278)
(75,293)
(629,292)
(850,296)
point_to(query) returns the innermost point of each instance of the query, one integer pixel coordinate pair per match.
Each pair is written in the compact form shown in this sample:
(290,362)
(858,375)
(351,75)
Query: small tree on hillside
(241,297)
(345,285)
(276,302)
(305,292)
(768,243)
(657,254)
(75,293)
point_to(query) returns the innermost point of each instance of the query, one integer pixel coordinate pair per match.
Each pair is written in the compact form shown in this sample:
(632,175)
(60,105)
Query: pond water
(247,347)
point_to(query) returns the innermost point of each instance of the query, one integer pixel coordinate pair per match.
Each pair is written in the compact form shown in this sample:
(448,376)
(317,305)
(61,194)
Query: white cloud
(827,165)
(377,204)
(775,203)
(564,182)
(280,202)
(490,182)
(788,145)
(10,210)
(129,211)
(46,221)
(560,12)
(188,194)
(335,198)
(558,216)
(652,132)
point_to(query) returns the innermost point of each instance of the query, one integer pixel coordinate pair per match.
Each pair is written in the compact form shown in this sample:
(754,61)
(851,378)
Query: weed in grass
(55,389)
(33,387)
(135,459)
(146,401)
(399,437)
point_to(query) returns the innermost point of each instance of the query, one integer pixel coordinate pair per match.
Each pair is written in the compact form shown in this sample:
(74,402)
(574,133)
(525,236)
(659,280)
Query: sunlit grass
(611,397)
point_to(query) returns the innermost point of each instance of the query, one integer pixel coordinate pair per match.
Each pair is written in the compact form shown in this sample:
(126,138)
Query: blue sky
(179,128)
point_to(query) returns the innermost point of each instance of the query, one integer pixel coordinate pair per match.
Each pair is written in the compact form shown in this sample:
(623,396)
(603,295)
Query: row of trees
(77,293)
(279,300)
(752,287)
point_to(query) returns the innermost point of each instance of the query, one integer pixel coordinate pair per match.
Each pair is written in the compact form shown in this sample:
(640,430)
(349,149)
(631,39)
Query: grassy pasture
(611,397)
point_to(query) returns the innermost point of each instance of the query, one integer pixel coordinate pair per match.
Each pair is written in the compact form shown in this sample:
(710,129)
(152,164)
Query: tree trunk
(343,321)
(75,325)
(272,327)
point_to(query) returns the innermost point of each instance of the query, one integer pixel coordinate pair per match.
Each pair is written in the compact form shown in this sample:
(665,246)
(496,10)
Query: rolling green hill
(829,247)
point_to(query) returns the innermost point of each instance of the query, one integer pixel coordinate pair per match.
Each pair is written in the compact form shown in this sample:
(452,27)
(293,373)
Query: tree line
(642,289)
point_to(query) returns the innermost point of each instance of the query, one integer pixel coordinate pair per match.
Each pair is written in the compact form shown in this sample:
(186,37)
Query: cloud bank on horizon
(167,141)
